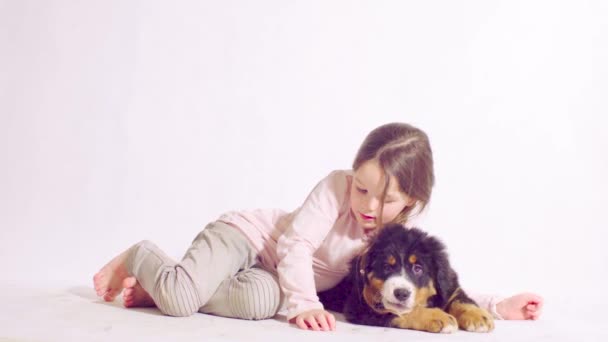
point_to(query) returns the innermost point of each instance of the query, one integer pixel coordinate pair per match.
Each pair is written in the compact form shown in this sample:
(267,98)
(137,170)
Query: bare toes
(110,296)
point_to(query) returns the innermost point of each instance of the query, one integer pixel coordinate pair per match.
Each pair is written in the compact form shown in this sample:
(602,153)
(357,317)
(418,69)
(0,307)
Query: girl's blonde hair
(404,152)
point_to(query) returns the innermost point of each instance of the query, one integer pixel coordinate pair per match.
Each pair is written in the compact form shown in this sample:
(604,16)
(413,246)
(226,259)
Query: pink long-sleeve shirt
(311,247)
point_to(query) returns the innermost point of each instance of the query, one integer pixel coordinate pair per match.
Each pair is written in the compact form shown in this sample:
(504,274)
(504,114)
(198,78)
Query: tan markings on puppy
(454,294)
(423,294)
(426,319)
(412,259)
(391,260)
(471,317)
(372,293)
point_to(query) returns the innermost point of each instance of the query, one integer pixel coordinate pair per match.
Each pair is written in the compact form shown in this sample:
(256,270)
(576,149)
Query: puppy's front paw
(473,318)
(439,321)
(432,320)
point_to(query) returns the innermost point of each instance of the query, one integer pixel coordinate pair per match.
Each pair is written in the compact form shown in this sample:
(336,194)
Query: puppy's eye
(417,269)
(388,268)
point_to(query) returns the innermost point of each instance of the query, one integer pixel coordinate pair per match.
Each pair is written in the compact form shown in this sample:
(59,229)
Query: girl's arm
(295,248)
(522,306)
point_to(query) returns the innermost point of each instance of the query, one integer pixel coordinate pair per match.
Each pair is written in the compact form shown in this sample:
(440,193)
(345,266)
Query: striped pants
(217,275)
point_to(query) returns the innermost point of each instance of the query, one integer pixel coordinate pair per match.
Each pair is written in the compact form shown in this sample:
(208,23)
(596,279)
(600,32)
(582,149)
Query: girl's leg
(181,289)
(253,293)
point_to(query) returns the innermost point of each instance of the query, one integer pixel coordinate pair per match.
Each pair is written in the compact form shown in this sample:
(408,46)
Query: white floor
(75,314)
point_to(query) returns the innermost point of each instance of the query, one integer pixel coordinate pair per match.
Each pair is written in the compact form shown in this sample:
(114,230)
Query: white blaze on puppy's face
(398,294)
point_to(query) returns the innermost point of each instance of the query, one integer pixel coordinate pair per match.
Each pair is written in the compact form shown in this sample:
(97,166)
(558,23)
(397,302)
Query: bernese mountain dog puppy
(404,280)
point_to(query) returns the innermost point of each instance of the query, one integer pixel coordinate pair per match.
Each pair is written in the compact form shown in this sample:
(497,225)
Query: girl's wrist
(497,308)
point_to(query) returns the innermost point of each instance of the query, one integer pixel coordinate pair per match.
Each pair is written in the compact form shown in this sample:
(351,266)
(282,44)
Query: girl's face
(366,196)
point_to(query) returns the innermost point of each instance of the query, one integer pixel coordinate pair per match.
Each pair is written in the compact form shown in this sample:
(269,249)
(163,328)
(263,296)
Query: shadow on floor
(89,294)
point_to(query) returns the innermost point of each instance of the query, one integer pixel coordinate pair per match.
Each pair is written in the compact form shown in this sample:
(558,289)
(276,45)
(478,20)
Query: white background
(130,120)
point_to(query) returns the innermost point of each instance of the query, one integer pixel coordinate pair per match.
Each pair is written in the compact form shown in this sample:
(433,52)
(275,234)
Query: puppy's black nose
(401,294)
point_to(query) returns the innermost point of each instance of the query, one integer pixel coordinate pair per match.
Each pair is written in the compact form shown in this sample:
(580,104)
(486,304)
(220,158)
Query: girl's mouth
(367,218)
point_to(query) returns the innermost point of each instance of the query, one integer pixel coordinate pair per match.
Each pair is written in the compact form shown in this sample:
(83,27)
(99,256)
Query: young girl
(252,264)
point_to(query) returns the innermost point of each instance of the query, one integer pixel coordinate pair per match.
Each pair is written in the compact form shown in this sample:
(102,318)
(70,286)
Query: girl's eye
(417,269)
(363,191)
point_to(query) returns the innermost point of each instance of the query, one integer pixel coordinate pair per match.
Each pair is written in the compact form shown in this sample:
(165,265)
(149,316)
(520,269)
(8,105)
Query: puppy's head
(399,269)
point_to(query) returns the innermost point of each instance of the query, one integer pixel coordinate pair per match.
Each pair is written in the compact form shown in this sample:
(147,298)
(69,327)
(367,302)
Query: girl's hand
(521,306)
(317,320)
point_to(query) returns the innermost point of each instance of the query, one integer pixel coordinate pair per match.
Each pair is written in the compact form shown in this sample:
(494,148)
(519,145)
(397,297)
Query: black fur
(400,242)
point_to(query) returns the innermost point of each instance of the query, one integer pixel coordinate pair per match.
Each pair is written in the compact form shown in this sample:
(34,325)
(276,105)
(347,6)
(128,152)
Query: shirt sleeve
(488,302)
(295,248)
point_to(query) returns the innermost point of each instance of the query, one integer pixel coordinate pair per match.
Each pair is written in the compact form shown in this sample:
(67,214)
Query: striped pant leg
(181,289)
(252,294)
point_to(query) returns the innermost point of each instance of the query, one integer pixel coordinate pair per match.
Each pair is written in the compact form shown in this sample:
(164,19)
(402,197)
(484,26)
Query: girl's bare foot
(134,295)
(108,281)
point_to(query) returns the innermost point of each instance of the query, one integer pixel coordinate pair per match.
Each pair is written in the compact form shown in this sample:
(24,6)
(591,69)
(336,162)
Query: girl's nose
(373,204)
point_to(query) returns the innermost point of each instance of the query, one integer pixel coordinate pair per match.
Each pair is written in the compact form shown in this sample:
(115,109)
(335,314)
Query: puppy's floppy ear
(446,279)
